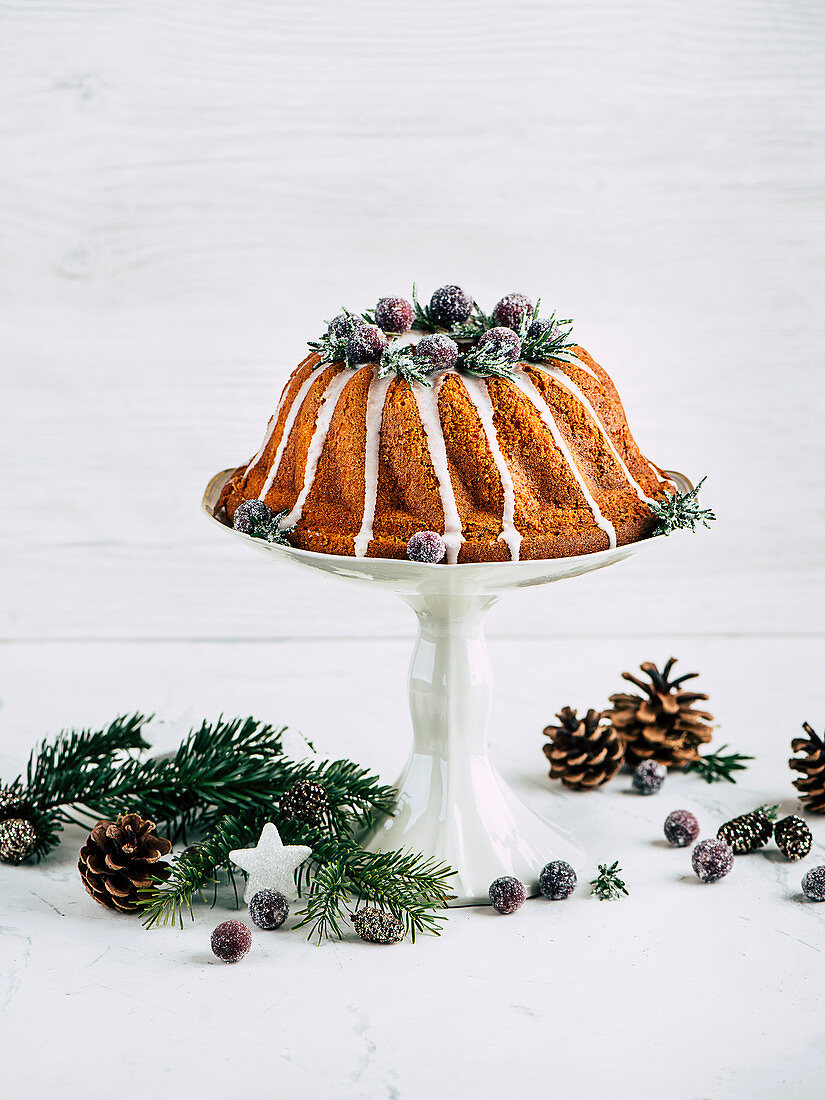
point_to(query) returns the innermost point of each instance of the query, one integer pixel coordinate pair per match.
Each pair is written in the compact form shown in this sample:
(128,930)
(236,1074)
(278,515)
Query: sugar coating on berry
(450,305)
(502,342)
(507,894)
(436,352)
(541,326)
(813,884)
(511,310)
(649,777)
(231,941)
(268,909)
(394,315)
(712,859)
(344,325)
(557,880)
(681,828)
(250,515)
(366,345)
(426,546)
(374,926)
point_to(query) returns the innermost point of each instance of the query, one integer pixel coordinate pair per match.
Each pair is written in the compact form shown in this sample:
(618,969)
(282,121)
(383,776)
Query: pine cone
(811,783)
(748,832)
(584,752)
(17,840)
(11,805)
(793,837)
(305,801)
(120,858)
(663,724)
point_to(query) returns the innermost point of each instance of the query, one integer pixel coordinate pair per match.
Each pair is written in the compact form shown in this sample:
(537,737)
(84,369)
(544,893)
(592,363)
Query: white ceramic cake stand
(452,803)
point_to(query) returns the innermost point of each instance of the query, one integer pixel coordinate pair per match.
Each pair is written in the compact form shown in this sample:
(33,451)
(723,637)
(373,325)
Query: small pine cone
(748,832)
(662,724)
(811,782)
(584,752)
(11,805)
(120,859)
(376,927)
(306,801)
(793,837)
(17,840)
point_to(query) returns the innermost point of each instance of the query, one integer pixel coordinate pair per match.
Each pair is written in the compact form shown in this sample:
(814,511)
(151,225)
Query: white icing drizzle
(523,383)
(571,387)
(253,462)
(290,420)
(480,397)
(426,398)
(319,436)
(568,357)
(376,396)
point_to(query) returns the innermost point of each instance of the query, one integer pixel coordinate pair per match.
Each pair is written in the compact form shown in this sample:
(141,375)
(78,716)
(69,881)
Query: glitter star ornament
(272,865)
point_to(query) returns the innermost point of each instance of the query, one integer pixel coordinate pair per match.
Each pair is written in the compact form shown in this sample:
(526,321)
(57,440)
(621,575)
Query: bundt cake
(498,432)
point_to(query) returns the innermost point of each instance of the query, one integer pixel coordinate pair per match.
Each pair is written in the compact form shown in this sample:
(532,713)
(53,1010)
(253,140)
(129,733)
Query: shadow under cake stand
(452,803)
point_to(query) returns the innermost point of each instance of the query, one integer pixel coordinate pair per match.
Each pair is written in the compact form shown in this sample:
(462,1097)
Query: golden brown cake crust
(551,510)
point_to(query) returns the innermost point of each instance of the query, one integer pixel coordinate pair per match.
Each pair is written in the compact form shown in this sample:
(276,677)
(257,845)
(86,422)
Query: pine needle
(681,511)
(716,767)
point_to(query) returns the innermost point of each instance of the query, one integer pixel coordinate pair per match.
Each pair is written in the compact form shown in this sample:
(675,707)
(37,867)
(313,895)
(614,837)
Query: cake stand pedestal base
(452,803)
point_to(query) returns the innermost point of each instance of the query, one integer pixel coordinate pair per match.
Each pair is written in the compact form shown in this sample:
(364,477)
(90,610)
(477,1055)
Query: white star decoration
(270,866)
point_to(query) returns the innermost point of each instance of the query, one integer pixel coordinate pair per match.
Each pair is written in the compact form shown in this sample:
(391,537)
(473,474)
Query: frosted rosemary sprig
(331,346)
(681,511)
(607,885)
(400,359)
(487,363)
(550,342)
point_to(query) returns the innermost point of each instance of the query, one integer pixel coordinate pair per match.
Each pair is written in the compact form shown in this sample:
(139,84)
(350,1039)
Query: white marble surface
(681,990)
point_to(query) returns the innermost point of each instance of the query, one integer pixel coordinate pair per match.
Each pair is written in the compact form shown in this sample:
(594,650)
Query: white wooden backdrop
(189,188)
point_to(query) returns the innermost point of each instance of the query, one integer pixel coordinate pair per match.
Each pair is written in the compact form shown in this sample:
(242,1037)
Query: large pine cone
(120,858)
(662,725)
(583,752)
(811,783)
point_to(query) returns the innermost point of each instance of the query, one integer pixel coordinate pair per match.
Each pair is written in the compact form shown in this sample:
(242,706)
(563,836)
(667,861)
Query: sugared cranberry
(649,777)
(231,941)
(712,860)
(394,315)
(557,880)
(541,326)
(511,310)
(426,546)
(250,516)
(436,352)
(681,828)
(502,342)
(507,895)
(366,345)
(344,325)
(268,909)
(450,306)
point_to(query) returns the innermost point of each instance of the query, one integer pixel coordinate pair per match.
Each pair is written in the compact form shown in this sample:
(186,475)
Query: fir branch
(270,530)
(607,885)
(58,768)
(715,767)
(680,511)
(400,359)
(471,330)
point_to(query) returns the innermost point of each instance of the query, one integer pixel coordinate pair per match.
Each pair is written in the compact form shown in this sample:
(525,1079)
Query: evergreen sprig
(716,767)
(331,347)
(400,359)
(681,511)
(270,530)
(552,342)
(486,362)
(607,885)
